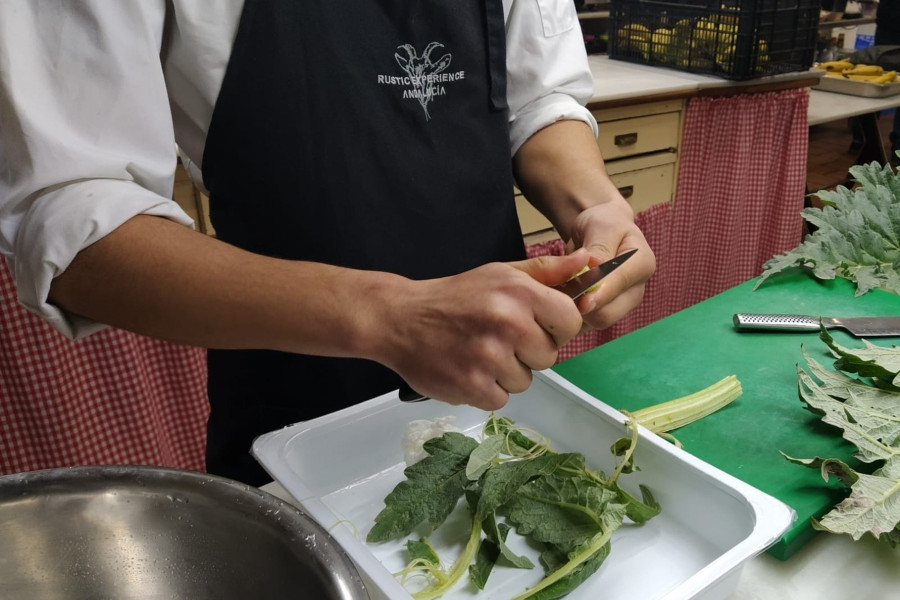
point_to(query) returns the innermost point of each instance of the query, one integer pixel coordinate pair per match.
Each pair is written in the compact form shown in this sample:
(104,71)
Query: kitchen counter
(827,106)
(618,82)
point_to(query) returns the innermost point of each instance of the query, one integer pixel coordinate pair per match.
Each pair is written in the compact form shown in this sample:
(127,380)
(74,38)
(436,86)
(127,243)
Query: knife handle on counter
(754,321)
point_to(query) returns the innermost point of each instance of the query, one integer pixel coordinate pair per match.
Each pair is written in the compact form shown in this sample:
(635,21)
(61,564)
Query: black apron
(369,134)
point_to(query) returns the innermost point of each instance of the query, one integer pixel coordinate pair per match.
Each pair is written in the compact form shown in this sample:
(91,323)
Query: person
(360,160)
(887,33)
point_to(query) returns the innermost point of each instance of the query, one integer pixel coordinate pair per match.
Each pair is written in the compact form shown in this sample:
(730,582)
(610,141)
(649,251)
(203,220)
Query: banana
(886,77)
(836,66)
(864,70)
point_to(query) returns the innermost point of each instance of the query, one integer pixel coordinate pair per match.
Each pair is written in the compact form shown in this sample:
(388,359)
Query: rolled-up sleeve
(86,138)
(548,76)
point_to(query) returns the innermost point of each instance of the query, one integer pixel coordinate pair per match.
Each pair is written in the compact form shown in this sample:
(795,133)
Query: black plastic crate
(733,39)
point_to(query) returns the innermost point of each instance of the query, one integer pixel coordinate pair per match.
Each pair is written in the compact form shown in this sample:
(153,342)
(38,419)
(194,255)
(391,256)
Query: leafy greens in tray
(856,236)
(511,481)
(867,410)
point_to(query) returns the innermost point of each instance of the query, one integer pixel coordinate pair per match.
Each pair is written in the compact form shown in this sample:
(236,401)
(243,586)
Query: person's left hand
(607,230)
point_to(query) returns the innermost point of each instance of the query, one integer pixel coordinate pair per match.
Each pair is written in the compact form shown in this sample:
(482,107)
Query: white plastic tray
(341,466)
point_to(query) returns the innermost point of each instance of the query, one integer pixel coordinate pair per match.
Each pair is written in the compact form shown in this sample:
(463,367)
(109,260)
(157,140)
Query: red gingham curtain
(112,398)
(741,184)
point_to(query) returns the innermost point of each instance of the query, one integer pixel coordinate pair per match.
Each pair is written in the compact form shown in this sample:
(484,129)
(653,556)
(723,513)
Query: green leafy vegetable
(513,478)
(857,235)
(868,413)
(431,490)
(553,499)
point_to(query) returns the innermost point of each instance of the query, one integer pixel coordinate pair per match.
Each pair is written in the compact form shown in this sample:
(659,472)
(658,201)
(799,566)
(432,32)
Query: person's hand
(475,338)
(606,230)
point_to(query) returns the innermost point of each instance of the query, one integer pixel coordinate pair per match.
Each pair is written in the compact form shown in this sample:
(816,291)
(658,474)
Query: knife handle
(754,321)
(407,394)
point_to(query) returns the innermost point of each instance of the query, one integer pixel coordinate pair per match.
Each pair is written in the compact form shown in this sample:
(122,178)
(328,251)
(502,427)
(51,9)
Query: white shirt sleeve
(86,137)
(548,76)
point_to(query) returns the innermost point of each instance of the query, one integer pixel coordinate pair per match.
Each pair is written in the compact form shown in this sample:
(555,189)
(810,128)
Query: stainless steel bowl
(140,533)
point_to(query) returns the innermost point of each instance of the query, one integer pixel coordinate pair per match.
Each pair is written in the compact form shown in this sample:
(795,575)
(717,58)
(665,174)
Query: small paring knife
(574,288)
(857,326)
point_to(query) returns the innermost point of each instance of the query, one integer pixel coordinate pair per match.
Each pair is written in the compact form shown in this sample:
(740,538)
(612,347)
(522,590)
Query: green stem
(567,569)
(459,567)
(626,459)
(673,414)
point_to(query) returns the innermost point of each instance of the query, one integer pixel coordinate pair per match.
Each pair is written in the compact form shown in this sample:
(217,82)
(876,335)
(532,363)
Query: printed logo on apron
(426,77)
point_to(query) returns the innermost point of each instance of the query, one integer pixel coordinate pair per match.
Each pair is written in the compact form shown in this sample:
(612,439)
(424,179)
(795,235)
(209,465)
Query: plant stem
(459,567)
(676,413)
(564,571)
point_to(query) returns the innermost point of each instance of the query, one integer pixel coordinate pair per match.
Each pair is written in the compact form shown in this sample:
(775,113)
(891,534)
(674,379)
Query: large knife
(857,326)
(574,288)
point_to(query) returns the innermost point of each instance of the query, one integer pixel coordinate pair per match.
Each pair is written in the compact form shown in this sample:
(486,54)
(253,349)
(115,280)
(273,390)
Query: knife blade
(856,326)
(581,283)
(574,288)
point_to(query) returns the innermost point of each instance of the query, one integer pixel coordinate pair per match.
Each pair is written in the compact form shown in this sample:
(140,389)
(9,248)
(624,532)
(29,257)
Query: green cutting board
(696,347)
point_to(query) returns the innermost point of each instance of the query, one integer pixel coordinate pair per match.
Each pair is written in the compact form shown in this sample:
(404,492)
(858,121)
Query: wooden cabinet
(639,143)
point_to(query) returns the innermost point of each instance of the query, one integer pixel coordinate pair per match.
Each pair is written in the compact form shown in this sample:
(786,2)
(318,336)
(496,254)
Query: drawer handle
(627,191)
(625,139)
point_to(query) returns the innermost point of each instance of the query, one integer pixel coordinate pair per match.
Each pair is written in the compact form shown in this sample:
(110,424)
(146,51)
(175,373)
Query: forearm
(561,171)
(160,279)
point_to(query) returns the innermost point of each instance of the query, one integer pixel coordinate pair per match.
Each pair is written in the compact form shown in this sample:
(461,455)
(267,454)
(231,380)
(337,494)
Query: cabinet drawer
(639,135)
(645,181)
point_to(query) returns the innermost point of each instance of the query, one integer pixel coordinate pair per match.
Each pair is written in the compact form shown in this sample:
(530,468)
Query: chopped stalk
(673,414)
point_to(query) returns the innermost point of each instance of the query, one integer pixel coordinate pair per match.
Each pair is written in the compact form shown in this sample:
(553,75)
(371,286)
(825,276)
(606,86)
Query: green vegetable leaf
(636,510)
(503,482)
(484,455)
(857,234)
(496,533)
(870,361)
(565,508)
(421,550)
(430,491)
(560,588)
(551,499)
(485,559)
(868,420)
(873,505)
(869,417)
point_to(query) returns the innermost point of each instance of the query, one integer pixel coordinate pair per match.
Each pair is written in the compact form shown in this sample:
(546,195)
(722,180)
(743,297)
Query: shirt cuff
(59,224)
(546,111)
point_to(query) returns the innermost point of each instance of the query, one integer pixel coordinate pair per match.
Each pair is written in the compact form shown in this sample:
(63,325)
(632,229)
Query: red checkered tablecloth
(112,398)
(740,189)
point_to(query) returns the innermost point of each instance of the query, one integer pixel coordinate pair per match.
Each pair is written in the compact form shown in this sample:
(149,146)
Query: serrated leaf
(856,236)
(869,361)
(430,491)
(506,479)
(565,509)
(867,421)
(869,418)
(873,505)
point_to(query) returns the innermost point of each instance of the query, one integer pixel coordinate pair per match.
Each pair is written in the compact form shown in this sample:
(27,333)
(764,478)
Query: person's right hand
(475,338)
